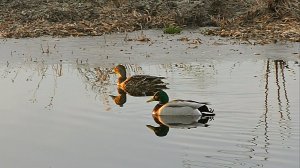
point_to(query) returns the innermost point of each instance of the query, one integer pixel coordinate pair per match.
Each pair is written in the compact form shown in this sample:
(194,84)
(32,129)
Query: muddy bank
(236,19)
(111,49)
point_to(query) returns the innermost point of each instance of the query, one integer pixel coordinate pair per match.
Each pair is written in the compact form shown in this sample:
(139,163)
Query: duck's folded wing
(186,103)
(149,81)
(186,107)
(147,77)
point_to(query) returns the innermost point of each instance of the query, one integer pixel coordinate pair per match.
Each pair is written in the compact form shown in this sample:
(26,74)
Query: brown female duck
(138,85)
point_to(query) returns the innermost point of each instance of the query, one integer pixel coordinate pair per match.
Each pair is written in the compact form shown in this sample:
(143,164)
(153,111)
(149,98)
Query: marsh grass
(171,29)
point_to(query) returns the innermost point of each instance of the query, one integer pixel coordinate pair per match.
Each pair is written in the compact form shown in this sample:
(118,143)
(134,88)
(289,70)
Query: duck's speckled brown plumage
(139,85)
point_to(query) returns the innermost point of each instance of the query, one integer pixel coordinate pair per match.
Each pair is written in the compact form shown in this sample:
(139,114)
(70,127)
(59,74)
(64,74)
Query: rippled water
(57,111)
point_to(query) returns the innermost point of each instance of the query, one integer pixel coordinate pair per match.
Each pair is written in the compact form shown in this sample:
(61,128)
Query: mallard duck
(179,107)
(138,85)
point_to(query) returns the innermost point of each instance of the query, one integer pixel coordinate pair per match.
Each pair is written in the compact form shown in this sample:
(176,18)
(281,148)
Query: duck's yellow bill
(150,100)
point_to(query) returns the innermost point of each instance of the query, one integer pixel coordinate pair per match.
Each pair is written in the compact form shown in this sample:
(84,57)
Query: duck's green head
(160,96)
(120,70)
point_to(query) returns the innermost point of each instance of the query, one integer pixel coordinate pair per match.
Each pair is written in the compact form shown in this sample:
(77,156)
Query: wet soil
(244,20)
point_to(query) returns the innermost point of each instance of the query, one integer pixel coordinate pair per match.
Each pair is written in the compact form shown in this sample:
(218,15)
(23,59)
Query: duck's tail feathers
(205,111)
(208,114)
(161,86)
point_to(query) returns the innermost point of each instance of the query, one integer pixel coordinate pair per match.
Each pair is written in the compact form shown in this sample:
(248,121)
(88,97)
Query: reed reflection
(39,74)
(97,79)
(178,113)
(277,88)
(136,85)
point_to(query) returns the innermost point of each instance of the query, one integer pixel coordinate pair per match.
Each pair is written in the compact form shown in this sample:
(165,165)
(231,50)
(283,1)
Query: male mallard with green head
(179,107)
(139,85)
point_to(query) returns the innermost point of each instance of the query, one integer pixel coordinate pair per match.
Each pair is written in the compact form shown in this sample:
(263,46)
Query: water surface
(57,111)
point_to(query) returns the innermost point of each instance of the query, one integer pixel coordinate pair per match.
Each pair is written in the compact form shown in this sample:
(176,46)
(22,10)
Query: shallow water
(56,110)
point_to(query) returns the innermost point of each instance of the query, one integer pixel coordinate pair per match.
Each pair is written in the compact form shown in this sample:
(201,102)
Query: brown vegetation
(267,21)
(264,21)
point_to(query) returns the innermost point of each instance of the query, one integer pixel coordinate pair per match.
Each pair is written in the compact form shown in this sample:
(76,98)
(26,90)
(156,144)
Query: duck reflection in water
(136,85)
(178,113)
(121,98)
(181,122)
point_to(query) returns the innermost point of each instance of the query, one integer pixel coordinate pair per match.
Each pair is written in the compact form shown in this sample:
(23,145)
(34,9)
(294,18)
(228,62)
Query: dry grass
(239,19)
(262,24)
